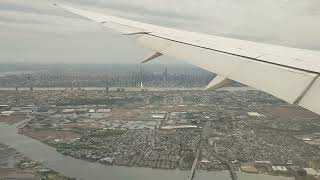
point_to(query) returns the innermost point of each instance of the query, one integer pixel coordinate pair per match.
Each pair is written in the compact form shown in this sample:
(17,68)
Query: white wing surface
(288,73)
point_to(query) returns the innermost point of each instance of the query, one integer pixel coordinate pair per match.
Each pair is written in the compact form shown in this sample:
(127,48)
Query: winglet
(153,56)
(218,82)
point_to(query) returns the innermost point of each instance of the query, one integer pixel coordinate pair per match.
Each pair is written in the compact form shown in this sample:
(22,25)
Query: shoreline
(63,165)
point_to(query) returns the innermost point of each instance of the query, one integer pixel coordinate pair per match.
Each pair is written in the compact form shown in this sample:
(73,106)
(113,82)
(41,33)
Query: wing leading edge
(290,74)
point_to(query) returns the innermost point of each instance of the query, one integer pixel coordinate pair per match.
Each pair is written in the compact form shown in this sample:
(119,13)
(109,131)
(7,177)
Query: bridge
(232,170)
(213,151)
(194,165)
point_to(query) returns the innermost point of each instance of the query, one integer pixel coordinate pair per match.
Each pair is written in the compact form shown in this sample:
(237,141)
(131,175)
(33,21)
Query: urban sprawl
(233,129)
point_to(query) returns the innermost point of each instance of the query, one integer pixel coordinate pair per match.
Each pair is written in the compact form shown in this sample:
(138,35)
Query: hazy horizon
(96,67)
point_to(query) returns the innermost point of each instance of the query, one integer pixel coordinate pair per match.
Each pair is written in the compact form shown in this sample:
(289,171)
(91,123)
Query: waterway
(126,88)
(80,169)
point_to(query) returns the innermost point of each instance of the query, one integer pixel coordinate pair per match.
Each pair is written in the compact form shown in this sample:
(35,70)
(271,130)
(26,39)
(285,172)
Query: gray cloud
(36,31)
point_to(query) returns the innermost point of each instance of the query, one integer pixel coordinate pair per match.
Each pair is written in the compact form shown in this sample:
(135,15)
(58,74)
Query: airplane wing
(288,73)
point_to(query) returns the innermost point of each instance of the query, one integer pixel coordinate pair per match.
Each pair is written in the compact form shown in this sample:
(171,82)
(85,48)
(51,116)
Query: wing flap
(124,29)
(217,83)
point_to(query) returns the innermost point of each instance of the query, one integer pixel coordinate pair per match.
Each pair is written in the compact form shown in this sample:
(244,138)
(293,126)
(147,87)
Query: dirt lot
(123,114)
(290,112)
(43,135)
(12,119)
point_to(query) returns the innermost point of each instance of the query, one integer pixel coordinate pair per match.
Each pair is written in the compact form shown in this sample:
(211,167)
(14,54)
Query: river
(126,88)
(80,169)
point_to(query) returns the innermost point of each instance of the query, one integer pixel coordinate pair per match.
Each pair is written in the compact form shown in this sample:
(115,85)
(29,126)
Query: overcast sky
(35,31)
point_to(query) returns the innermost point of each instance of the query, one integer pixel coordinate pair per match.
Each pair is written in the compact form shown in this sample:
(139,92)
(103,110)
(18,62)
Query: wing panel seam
(224,52)
(297,101)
